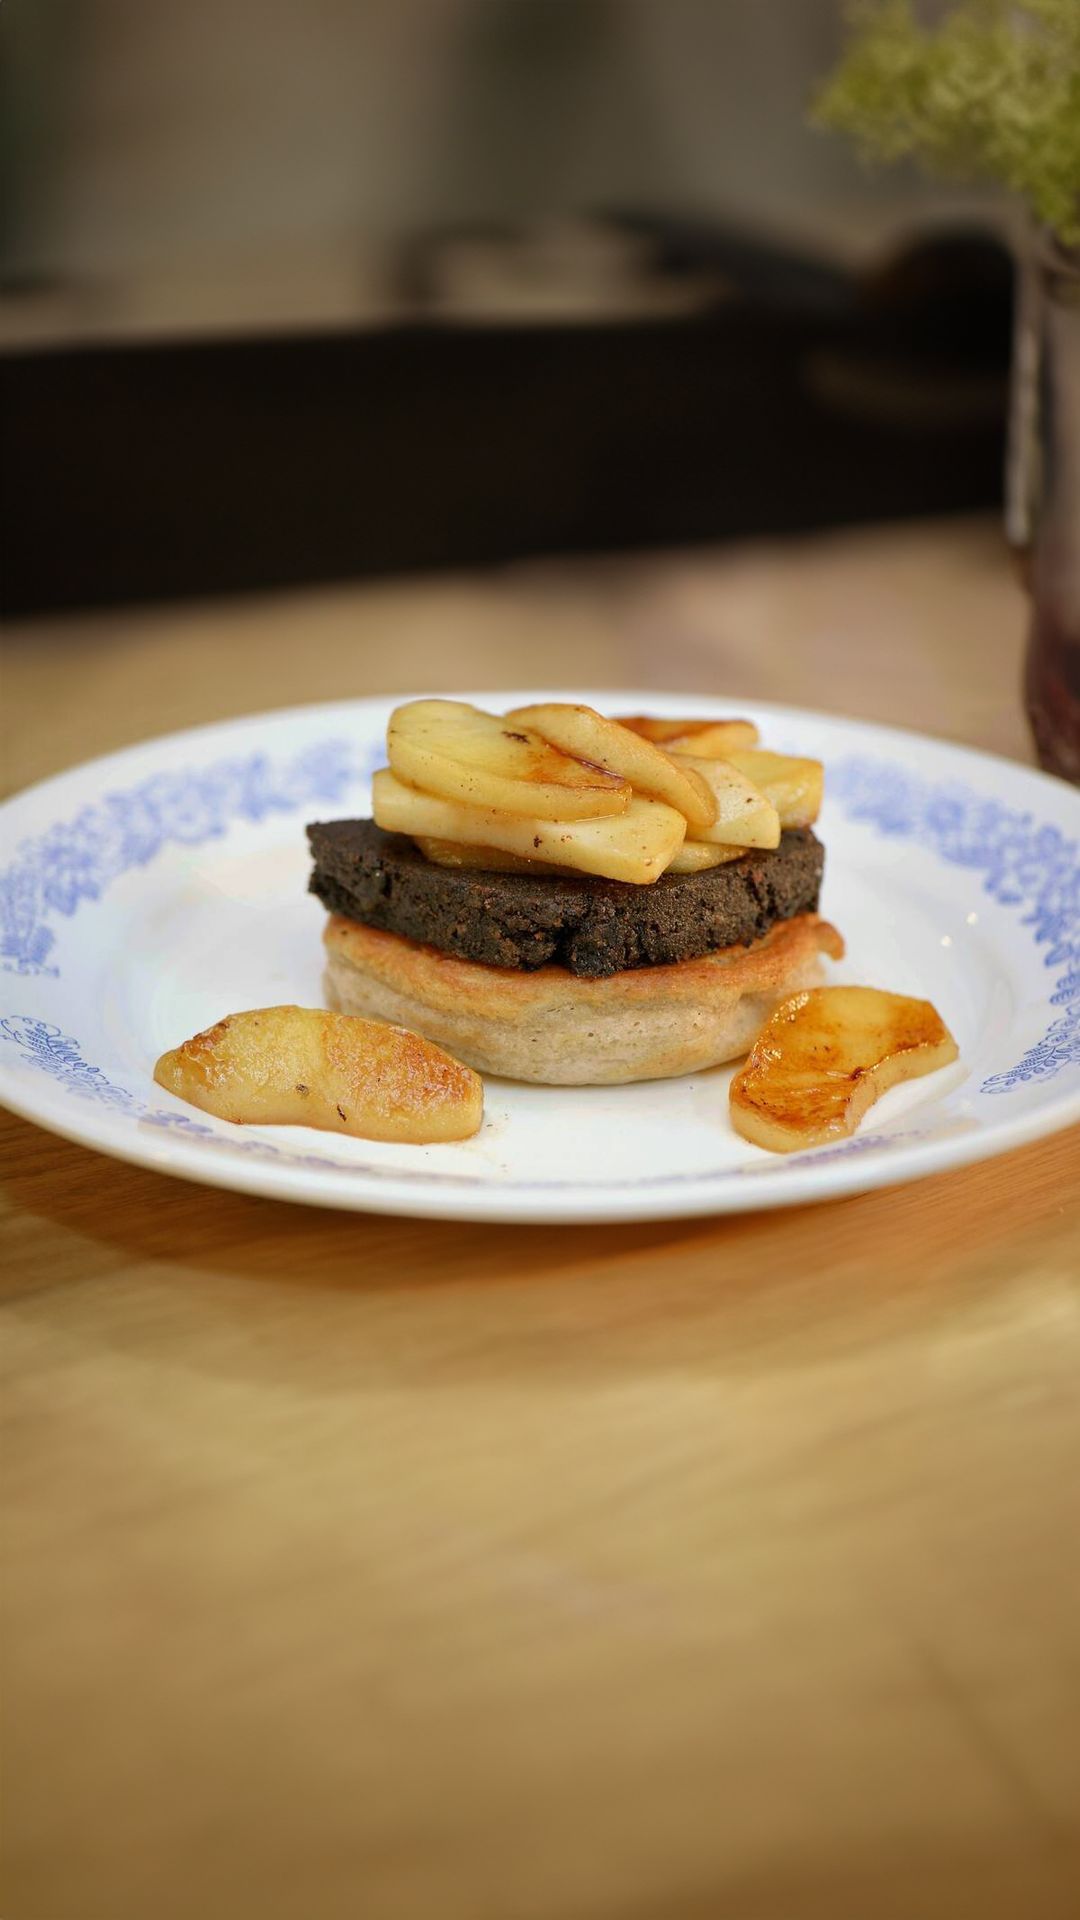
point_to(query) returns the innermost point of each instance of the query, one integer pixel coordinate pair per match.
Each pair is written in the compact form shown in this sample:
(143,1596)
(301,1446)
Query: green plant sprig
(993,90)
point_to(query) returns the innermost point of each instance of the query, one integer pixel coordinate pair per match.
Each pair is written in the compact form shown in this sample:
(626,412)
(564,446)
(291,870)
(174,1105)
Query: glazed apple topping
(559,785)
(825,1055)
(302,1067)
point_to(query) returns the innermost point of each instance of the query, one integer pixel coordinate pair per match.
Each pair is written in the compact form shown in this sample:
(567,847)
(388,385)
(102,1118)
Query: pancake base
(561,1029)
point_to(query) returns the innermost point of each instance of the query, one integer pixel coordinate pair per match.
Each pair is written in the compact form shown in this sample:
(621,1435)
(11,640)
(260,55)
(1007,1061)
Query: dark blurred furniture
(798,399)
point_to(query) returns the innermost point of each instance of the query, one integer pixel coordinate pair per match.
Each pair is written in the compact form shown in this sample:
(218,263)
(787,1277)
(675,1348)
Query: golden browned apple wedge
(302,1067)
(696,856)
(709,739)
(692,857)
(795,786)
(461,753)
(744,817)
(581,731)
(455,853)
(824,1057)
(636,845)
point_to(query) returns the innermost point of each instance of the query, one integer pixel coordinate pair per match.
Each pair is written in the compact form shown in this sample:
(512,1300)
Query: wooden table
(365,1569)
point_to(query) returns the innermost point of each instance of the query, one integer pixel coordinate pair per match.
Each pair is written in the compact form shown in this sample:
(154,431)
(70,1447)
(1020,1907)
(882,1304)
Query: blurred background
(297,295)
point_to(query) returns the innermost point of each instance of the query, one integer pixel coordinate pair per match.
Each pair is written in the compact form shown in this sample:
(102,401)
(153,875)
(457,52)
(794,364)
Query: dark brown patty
(590,926)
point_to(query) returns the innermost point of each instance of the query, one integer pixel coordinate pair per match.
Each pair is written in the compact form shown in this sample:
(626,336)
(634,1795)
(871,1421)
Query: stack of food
(555,896)
(562,897)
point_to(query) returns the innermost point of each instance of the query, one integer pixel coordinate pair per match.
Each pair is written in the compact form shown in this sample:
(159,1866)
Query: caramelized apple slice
(744,817)
(634,846)
(696,856)
(302,1067)
(693,857)
(795,786)
(455,853)
(824,1057)
(709,739)
(582,731)
(461,753)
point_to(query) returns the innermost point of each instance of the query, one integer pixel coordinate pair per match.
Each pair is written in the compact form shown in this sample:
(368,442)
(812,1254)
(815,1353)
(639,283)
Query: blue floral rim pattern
(1024,864)
(77,860)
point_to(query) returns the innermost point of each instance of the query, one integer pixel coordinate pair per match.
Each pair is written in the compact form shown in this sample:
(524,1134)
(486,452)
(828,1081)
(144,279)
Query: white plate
(149,893)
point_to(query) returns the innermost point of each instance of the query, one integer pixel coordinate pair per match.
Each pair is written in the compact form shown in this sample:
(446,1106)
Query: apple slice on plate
(455,853)
(636,845)
(795,786)
(709,739)
(697,856)
(582,731)
(304,1067)
(824,1057)
(459,752)
(744,817)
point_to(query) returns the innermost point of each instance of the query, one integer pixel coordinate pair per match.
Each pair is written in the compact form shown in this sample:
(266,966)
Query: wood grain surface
(371,1569)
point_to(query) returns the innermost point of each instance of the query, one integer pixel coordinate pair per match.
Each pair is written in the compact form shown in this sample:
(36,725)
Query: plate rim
(799,1181)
